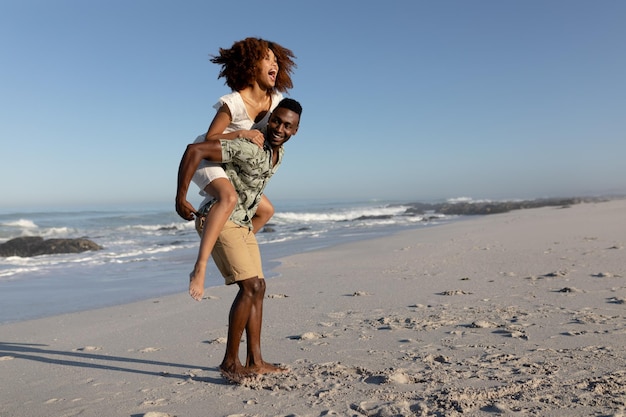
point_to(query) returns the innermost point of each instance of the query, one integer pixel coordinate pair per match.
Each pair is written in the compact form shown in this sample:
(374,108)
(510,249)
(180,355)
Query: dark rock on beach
(502,207)
(33,246)
(378,217)
(482,208)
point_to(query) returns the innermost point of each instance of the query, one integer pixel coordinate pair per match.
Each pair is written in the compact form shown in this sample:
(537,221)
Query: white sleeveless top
(240,118)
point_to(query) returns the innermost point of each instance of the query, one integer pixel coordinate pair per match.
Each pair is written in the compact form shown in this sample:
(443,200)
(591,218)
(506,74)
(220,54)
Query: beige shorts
(236,254)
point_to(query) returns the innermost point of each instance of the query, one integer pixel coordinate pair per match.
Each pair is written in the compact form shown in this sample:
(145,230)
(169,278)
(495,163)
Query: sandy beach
(514,314)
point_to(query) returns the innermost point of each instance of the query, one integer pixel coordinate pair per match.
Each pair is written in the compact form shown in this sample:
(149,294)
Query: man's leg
(238,320)
(254,359)
(253,329)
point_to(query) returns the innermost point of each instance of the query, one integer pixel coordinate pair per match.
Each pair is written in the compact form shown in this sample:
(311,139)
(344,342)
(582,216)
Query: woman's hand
(254,136)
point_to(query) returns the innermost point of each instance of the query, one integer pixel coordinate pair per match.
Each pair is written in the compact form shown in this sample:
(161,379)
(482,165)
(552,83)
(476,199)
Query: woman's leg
(226,197)
(263,214)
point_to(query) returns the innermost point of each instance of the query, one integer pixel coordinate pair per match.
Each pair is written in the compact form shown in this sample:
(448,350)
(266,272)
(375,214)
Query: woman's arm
(221,121)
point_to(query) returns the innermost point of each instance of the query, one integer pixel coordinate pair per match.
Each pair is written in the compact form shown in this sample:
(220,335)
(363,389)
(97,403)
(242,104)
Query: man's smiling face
(282,125)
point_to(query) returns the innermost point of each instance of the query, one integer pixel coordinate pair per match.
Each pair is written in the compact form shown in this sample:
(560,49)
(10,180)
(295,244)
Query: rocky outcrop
(482,208)
(503,207)
(34,245)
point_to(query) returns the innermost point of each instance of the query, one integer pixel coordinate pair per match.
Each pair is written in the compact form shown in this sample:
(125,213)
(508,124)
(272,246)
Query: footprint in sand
(512,333)
(210,297)
(439,359)
(277,296)
(149,350)
(88,349)
(308,336)
(157,414)
(455,292)
(569,290)
(218,341)
(54,400)
(605,275)
(483,324)
(398,377)
(384,408)
(158,401)
(574,333)
(556,274)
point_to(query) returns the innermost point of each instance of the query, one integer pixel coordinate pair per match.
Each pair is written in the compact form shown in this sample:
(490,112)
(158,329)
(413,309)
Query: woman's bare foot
(237,374)
(196,284)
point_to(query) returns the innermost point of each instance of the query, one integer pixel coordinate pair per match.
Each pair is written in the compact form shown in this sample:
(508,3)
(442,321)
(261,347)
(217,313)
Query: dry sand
(515,314)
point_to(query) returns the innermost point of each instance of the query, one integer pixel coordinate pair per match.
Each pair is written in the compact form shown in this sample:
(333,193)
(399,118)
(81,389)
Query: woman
(257,71)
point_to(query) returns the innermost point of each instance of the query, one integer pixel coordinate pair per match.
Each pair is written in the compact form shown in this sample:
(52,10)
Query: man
(236,252)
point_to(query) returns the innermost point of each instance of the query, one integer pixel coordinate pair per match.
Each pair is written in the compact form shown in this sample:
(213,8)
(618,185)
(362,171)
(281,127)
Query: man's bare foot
(237,374)
(267,368)
(196,285)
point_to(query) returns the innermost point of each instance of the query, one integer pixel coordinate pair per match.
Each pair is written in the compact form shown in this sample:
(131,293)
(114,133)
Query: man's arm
(209,150)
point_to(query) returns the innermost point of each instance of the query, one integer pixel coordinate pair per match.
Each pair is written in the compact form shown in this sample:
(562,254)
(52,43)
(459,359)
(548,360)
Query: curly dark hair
(239,63)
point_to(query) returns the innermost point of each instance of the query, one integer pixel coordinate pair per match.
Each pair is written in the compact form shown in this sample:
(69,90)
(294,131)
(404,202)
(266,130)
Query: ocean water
(149,251)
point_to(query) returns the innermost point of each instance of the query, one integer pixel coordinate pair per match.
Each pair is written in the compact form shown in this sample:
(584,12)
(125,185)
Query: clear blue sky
(406,100)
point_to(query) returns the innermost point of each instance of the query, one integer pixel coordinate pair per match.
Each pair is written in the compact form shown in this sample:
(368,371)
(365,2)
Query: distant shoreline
(469,208)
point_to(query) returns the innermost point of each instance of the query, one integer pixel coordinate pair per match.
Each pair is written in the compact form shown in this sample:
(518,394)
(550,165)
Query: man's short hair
(290,104)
